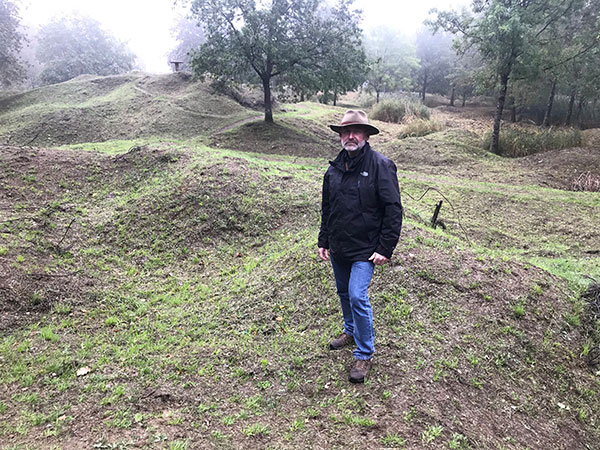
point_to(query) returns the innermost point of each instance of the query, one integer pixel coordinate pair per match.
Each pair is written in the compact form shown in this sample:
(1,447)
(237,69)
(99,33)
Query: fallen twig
(34,138)
(135,148)
(66,231)
(430,188)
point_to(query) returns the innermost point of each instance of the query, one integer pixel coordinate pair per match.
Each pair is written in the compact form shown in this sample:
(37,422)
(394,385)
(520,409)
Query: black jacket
(361,212)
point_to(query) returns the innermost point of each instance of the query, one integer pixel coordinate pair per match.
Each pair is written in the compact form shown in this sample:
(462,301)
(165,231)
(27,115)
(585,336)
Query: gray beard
(358,148)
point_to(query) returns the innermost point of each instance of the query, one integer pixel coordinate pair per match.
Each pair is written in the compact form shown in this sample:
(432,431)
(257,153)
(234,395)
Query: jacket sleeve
(389,197)
(323,241)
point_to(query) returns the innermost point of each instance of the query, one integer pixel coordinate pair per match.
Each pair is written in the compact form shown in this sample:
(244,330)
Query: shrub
(389,111)
(365,101)
(515,142)
(420,127)
(394,110)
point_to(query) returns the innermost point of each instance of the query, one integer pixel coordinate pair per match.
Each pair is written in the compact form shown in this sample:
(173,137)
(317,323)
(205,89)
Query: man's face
(353,137)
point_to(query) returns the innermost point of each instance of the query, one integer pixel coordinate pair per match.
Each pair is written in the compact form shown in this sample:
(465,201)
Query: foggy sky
(146,25)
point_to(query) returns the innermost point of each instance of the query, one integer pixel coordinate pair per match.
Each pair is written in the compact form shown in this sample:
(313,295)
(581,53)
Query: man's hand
(378,259)
(324,254)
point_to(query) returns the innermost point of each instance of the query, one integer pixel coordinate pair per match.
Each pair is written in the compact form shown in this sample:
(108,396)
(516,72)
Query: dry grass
(516,141)
(586,182)
(395,110)
(420,127)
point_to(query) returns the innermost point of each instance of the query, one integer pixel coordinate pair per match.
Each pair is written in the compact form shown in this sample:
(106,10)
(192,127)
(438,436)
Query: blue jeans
(352,280)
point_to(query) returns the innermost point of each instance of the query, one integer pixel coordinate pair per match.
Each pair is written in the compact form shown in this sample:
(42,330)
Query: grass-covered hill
(161,289)
(96,109)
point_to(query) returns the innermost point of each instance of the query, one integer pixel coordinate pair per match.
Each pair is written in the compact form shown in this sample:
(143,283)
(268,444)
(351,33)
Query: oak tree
(72,46)
(11,42)
(509,35)
(250,40)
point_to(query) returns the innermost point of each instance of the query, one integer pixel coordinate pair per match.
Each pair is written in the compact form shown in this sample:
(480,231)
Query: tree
(11,42)
(574,43)
(344,68)
(72,46)
(249,40)
(435,55)
(585,87)
(343,72)
(391,59)
(508,35)
(190,37)
(462,75)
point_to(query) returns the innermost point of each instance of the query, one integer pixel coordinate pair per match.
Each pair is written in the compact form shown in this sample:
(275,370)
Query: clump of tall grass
(365,100)
(586,182)
(420,127)
(515,142)
(394,110)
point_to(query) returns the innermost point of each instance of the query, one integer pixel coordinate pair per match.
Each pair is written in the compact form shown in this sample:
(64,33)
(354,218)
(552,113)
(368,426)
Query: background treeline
(57,51)
(536,61)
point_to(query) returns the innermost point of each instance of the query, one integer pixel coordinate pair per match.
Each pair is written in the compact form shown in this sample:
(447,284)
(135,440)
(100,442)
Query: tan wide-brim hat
(355,117)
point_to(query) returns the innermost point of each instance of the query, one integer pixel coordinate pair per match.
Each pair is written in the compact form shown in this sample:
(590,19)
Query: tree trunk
(334,98)
(464,100)
(302,96)
(570,110)
(495,144)
(579,111)
(452,96)
(424,90)
(548,115)
(513,109)
(268,101)
(377,91)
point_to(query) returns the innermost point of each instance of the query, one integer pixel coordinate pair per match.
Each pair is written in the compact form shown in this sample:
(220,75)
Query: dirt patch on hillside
(560,169)
(475,119)
(39,225)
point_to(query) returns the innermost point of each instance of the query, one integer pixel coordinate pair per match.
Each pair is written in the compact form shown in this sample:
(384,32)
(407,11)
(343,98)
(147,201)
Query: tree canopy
(392,60)
(11,42)
(435,55)
(72,46)
(253,41)
(522,40)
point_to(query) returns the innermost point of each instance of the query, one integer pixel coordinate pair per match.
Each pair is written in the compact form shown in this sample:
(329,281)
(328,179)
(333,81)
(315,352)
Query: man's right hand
(324,254)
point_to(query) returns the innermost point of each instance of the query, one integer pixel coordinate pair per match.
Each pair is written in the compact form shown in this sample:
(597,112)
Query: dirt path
(236,124)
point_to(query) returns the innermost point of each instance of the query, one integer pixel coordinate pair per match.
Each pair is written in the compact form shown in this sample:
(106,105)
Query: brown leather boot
(360,370)
(343,340)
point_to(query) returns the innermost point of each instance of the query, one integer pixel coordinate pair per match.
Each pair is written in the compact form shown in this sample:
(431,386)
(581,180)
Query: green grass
(192,290)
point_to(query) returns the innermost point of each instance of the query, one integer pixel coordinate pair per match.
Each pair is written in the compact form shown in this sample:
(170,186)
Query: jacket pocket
(368,196)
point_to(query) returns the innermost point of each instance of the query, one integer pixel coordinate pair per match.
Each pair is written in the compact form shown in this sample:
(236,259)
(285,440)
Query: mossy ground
(184,277)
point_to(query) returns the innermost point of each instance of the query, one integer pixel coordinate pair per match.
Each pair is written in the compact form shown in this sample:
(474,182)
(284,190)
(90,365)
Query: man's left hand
(378,259)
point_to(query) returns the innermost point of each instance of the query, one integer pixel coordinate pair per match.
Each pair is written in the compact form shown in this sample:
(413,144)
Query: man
(361,217)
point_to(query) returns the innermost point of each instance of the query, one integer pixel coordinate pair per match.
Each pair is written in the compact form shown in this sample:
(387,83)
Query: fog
(147,26)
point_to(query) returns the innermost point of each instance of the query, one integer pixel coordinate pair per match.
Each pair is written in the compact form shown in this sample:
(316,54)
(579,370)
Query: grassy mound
(206,316)
(94,109)
(420,127)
